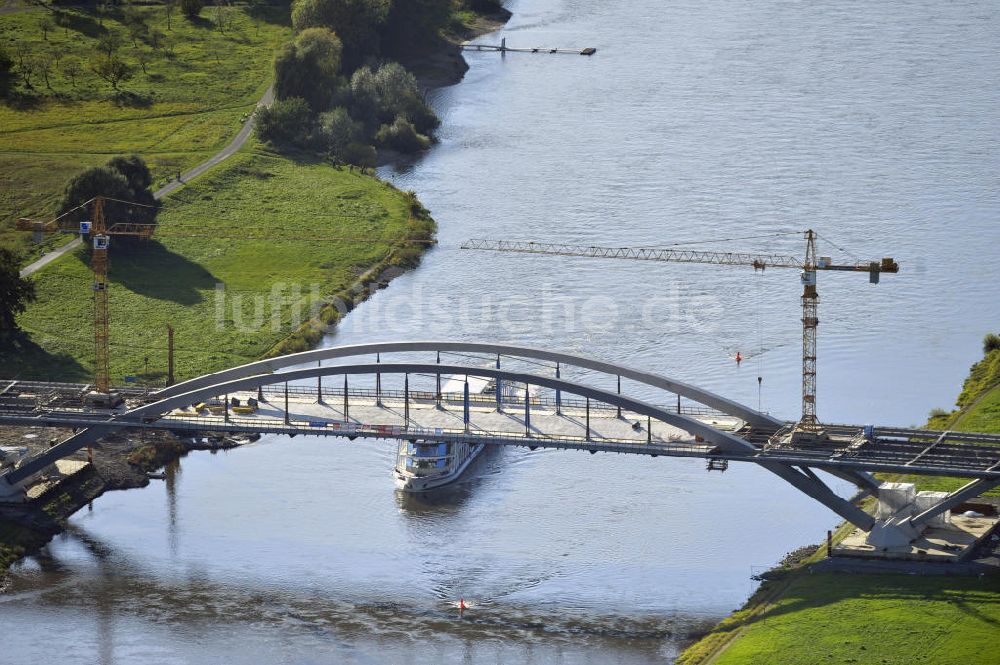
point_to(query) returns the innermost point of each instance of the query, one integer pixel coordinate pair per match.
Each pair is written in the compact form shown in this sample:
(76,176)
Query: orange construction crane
(808,424)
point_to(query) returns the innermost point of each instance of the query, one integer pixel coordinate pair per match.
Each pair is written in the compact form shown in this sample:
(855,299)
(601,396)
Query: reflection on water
(874,123)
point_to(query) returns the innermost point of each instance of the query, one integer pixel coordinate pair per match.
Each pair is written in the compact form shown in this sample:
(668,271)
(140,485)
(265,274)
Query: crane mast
(808,424)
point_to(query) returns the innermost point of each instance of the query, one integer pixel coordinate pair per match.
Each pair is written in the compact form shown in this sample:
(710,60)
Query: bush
(309,68)
(360,154)
(286,121)
(991,342)
(192,8)
(402,136)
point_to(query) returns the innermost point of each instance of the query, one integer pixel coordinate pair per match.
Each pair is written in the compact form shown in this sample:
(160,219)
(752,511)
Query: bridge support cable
(499,403)
(558,394)
(287,422)
(729,407)
(437,382)
(319,384)
(527,410)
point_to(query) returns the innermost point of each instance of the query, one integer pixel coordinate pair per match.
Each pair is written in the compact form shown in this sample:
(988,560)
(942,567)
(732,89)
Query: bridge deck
(443,419)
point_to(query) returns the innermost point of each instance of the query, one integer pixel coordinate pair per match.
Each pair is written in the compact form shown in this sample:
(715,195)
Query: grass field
(892,619)
(198,86)
(874,618)
(176,280)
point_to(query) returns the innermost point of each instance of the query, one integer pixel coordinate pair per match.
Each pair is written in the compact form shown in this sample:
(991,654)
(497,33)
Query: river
(722,121)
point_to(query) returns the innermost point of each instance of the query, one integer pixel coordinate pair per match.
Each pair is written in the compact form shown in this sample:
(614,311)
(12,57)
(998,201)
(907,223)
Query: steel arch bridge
(575,415)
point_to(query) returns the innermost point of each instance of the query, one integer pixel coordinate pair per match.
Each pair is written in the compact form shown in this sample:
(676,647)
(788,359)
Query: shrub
(192,8)
(286,121)
(402,136)
(991,342)
(360,154)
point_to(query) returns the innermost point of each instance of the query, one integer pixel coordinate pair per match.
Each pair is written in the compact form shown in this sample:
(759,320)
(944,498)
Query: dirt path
(238,142)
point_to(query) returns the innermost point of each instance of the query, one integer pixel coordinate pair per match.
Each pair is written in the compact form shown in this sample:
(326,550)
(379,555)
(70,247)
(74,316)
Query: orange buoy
(461,603)
(739,358)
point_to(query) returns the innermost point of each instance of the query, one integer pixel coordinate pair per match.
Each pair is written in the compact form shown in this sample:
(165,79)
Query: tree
(309,68)
(125,179)
(192,8)
(169,7)
(46,25)
(71,69)
(337,130)
(135,171)
(43,65)
(110,42)
(64,21)
(356,22)
(137,29)
(286,121)
(26,68)
(156,39)
(112,69)
(143,57)
(257,9)
(15,292)
(6,63)
(414,23)
(379,97)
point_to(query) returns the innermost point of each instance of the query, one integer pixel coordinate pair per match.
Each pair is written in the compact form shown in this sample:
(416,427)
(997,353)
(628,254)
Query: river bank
(816,609)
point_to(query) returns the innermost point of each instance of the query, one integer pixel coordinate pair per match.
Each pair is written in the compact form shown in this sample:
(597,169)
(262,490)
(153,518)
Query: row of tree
(30,66)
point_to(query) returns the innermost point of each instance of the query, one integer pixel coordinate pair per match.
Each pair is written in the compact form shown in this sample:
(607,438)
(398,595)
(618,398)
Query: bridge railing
(318,426)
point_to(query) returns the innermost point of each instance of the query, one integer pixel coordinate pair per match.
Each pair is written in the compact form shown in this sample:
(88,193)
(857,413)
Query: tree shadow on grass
(78,21)
(22,358)
(149,269)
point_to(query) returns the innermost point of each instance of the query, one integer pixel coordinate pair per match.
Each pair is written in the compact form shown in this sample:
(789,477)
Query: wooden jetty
(503,48)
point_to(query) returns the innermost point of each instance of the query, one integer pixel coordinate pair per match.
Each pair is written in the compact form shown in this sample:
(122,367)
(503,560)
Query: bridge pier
(12,492)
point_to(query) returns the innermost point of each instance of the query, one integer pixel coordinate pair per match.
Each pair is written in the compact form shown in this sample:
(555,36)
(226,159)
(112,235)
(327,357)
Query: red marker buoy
(461,603)
(739,358)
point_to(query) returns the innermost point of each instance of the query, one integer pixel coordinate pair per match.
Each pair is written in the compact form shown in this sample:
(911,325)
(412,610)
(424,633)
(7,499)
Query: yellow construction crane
(100,232)
(808,425)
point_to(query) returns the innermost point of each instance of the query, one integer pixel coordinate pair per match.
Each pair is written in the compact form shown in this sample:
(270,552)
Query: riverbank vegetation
(801,616)
(244,262)
(339,91)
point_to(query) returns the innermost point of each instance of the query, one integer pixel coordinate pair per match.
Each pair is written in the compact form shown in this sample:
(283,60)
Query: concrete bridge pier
(12,492)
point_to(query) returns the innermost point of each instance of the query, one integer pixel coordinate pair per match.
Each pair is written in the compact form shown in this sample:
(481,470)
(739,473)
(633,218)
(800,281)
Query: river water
(722,121)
